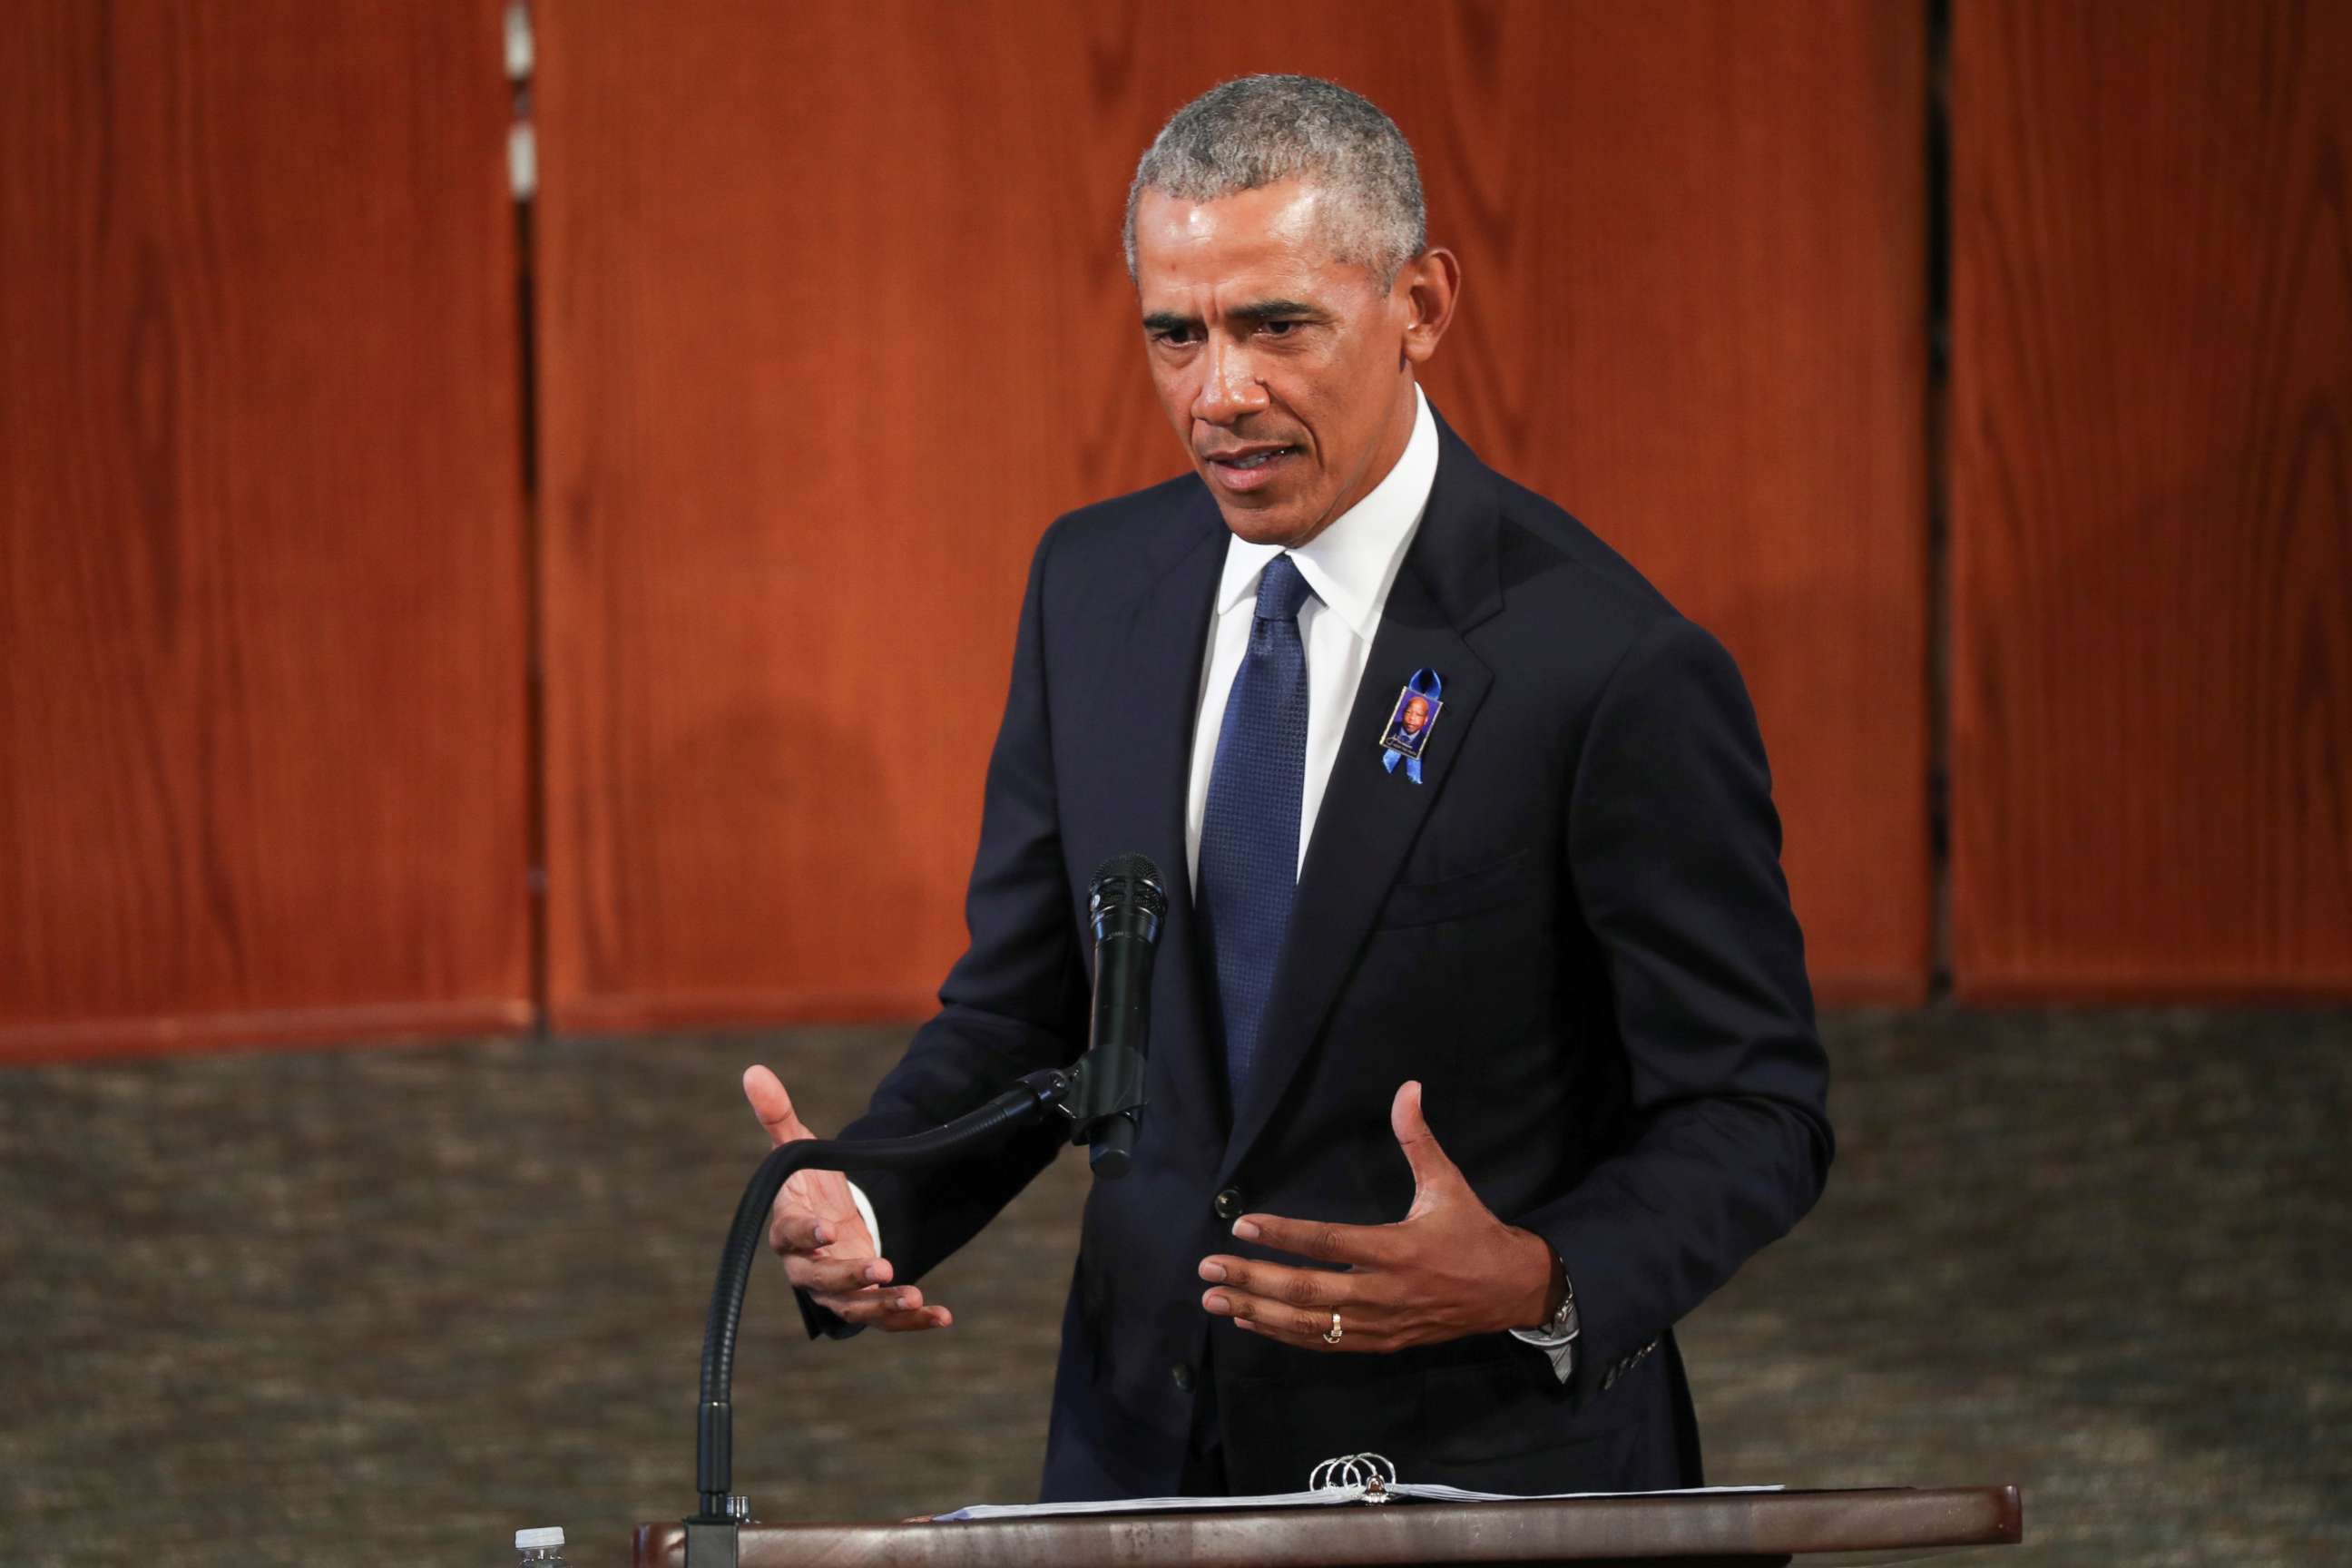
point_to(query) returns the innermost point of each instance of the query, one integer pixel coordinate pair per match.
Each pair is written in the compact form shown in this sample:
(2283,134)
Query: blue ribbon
(1425,683)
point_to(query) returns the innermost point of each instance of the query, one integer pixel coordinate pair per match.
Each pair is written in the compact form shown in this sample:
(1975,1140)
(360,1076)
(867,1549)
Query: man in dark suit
(1469,1077)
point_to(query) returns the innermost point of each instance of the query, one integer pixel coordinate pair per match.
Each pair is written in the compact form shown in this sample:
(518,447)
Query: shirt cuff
(865,1213)
(1560,1348)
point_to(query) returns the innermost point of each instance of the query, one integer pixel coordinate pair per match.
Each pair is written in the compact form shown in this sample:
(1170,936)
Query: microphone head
(1125,894)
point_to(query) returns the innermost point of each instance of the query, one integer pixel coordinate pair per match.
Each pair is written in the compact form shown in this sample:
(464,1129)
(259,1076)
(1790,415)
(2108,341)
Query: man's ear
(1430,283)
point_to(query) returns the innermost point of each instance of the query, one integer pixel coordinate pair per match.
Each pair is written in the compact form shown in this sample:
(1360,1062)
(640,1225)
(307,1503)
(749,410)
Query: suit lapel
(1370,816)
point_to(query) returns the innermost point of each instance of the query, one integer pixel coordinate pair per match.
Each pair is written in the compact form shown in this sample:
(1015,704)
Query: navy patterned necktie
(1249,834)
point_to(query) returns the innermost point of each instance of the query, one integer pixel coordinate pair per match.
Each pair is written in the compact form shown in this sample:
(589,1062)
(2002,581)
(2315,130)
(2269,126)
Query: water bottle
(539,1548)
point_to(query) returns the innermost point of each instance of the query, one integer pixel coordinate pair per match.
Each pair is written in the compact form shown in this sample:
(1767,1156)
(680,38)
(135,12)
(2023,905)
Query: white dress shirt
(1351,566)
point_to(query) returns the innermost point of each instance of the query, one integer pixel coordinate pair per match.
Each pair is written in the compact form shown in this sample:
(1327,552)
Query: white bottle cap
(550,1536)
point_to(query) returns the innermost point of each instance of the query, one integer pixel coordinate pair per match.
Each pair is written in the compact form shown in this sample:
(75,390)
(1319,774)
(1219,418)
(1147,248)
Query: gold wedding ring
(1331,1334)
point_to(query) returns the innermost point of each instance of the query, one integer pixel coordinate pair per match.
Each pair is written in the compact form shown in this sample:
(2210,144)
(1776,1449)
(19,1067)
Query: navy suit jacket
(1574,931)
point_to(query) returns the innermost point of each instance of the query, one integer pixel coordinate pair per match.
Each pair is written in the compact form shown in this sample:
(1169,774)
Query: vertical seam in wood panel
(1937,412)
(524,188)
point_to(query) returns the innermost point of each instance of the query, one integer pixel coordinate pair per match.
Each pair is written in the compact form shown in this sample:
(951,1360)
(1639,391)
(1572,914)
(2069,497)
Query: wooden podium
(1722,1530)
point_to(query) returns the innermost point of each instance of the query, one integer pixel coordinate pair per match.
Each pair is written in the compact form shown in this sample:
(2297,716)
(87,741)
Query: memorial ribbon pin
(1410,721)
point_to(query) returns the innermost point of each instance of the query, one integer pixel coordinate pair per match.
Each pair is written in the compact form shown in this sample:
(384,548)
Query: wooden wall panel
(262,607)
(835,322)
(2152,499)
(1695,237)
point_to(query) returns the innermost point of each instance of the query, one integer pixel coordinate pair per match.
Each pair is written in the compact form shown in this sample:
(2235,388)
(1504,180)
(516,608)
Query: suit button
(1229,1205)
(1182,1376)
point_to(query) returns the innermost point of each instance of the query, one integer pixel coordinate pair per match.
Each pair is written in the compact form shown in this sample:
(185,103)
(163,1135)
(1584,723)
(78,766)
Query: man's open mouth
(1255,460)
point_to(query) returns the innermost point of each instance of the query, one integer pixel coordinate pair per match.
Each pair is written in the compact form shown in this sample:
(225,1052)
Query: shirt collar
(1351,564)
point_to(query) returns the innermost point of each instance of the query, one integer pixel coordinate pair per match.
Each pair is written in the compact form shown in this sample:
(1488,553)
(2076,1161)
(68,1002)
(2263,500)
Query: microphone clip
(1107,1082)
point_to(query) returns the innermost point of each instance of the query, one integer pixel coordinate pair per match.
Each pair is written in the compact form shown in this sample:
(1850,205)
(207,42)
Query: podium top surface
(1725,1528)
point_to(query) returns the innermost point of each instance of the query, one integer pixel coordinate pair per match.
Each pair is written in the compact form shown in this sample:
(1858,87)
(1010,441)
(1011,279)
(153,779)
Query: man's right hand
(817,1229)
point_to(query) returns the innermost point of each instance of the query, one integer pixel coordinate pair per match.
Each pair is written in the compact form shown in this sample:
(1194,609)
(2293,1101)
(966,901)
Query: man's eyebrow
(1271,310)
(1249,314)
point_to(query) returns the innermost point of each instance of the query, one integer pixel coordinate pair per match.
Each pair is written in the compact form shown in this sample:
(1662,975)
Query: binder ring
(1365,1471)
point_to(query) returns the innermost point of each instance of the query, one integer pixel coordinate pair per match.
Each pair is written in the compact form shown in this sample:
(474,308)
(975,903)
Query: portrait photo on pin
(1411,720)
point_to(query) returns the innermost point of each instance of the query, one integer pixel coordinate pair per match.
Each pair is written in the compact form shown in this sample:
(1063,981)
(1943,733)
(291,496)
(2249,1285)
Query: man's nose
(1229,386)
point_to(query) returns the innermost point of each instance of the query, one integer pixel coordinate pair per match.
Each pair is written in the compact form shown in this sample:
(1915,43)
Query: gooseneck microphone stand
(1103,1095)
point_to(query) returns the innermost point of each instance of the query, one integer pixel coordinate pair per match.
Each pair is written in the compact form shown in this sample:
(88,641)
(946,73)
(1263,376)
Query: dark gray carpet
(385,1305)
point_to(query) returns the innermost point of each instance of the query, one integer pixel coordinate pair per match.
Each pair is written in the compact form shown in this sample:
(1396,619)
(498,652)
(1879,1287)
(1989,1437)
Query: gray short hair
(1257,130)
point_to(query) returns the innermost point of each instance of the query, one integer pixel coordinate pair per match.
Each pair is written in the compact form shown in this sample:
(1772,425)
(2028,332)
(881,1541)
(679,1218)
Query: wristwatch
(1561,1326)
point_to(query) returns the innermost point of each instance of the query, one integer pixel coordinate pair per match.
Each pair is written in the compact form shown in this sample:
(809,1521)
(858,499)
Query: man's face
(1416,714)
(1289,373)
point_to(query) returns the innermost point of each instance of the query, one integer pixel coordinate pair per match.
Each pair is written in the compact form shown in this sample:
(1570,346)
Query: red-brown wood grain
(262,601)
(2151,486)
(1696,235)
(835,322)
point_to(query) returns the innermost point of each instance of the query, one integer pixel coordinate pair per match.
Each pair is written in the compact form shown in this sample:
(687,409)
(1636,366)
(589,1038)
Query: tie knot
(1281,590)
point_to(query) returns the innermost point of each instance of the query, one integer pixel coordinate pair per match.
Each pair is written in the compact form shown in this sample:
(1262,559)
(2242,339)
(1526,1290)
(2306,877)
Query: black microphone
(1125,904)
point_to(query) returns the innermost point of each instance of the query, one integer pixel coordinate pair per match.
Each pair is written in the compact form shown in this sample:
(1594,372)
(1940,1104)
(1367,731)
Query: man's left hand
(1447,1271)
